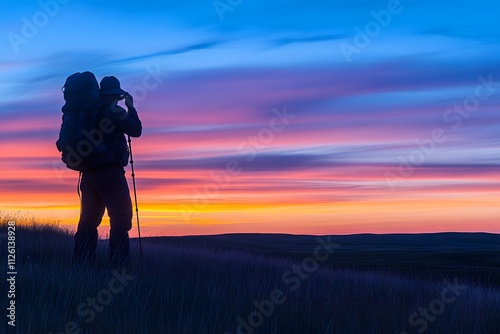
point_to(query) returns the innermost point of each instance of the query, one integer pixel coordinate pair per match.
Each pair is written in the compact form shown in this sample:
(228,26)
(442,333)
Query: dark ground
(474,257)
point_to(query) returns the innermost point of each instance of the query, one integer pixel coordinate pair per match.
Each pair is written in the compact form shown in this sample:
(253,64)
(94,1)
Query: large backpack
(81,142)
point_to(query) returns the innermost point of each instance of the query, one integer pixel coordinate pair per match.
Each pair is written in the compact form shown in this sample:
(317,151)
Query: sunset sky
(310,117)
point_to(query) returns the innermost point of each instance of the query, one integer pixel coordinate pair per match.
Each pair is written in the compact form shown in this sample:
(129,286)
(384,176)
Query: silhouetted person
(106,186)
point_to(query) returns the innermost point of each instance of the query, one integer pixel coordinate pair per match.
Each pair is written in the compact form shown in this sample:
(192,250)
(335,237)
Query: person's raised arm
(127,122)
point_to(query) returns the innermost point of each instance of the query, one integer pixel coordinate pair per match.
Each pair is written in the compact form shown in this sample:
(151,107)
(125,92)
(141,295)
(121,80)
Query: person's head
(110,89)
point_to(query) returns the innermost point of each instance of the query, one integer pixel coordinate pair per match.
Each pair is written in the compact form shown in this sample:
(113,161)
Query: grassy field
(257,284)
(474,257)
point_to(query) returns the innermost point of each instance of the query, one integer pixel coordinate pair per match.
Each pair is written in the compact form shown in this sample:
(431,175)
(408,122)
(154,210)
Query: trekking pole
(135,192)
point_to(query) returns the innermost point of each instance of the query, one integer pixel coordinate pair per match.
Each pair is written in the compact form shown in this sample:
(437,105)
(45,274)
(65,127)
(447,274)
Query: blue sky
(215,78)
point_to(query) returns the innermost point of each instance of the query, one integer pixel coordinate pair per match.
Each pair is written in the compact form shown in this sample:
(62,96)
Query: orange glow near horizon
(168,215)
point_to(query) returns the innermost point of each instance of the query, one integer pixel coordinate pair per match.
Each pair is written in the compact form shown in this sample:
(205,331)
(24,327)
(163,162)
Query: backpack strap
(78,190)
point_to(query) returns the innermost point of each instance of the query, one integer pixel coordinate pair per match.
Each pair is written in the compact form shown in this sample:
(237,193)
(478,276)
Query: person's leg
(92,210)
(116,197)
